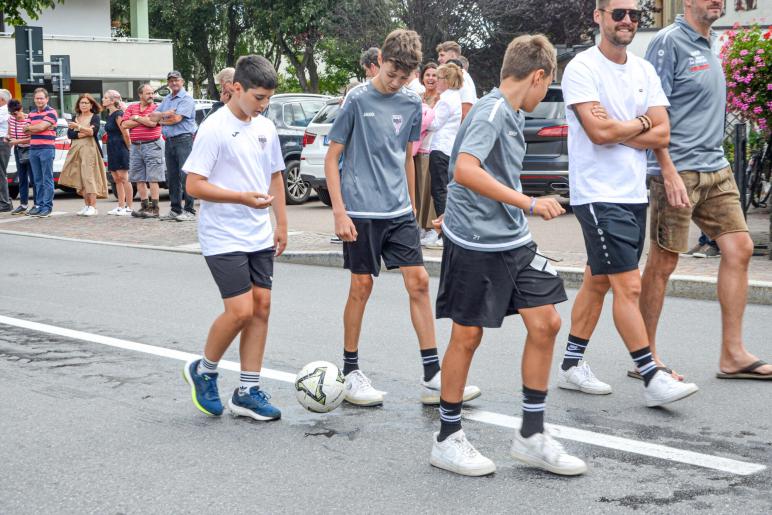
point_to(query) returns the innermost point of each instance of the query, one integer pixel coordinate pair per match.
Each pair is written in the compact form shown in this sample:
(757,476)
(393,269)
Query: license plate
(326,140)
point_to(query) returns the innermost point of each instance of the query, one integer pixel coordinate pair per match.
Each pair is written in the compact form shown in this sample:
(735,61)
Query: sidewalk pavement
(694,278)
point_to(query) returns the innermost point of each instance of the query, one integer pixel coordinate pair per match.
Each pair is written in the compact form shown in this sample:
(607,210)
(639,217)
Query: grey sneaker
(693,250)
(186,216)
(707,251)
(169,217)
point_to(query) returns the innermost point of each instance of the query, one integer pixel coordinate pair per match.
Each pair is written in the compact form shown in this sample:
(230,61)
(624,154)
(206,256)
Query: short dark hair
(143,86)
(457,62)
(403,49)
(41,90)
(14,106)
(427,66)
(255,71)
(369,57)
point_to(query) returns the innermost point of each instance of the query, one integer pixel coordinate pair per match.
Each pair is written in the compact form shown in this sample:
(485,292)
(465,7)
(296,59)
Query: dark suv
(545,167)
(291,112)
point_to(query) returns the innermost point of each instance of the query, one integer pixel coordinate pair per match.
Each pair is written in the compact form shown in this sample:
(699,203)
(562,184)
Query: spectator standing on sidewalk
(452,50)
(424,205)
(225,79)
(42,130)
(447,120)
(84,168)
(369,62)
(146,157)
(19,140)
(5,151)
(118,144)
(177,117)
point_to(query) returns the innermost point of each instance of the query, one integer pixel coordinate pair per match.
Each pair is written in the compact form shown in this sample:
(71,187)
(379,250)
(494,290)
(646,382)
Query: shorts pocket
(541,264)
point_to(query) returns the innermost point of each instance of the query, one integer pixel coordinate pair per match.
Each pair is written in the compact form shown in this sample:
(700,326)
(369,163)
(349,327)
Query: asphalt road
(88,428)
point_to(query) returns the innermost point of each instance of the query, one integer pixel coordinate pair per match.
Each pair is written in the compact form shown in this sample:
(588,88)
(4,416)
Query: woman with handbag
(84,168)
(19,140)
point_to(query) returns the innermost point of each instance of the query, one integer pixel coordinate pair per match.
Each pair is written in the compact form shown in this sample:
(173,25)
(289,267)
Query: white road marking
(729,465)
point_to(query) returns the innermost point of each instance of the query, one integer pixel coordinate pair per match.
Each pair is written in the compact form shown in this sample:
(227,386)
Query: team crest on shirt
(262,140)
(396,120)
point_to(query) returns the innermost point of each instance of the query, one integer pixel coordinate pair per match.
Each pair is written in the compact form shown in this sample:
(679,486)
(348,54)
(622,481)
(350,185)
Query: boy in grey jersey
(372,200)
(491,268)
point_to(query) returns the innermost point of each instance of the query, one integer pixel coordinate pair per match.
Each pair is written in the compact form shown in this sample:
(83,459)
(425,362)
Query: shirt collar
(693,34)
(181,94)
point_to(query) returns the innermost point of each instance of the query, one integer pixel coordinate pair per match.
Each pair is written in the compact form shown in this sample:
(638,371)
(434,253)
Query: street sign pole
(29,55)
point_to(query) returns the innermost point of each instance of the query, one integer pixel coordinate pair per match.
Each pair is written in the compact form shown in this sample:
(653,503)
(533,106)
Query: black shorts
(236,272)
(614,235)
(396,240)
(479,289)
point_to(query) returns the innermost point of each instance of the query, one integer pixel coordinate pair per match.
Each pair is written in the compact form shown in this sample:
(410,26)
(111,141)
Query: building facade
(98,62)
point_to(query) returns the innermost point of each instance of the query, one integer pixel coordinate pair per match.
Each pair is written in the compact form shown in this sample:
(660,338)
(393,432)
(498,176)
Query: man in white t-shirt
(617,109)
(235,169)
(452,50)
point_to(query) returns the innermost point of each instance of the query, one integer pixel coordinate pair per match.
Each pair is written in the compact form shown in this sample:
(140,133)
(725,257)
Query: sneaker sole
(482,471)
(535,462)
(246,412)
(189,380)
(364,404)
(434,400)
(682,395)
(571,386)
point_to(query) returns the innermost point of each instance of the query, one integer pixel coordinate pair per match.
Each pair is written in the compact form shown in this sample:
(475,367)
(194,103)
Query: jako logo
(368,115)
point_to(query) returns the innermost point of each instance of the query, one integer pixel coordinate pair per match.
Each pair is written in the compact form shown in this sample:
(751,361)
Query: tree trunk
(233,34)
(300,71)
(310,64)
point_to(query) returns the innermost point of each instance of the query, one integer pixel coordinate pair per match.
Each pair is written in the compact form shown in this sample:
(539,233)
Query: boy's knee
(547,328)
(418,283)
(361,287)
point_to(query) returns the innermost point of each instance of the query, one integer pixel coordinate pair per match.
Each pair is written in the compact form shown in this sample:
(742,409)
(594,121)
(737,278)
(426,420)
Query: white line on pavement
(568,433)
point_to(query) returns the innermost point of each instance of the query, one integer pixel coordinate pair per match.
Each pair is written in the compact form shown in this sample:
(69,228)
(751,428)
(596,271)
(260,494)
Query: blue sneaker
(203,389)
(33,212)
(254,404)
(42,213)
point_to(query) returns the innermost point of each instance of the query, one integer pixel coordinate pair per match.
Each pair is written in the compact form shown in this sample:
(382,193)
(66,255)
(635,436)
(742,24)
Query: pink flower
(769,87)
(758,110)
(760,51)
(743,53)
(732,84)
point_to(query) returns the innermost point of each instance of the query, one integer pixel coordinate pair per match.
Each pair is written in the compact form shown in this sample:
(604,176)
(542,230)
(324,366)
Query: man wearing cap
(177,117)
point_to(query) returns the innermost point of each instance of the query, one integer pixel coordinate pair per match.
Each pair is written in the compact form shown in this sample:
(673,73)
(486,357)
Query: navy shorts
(479,289)
(614,235)
(236,272)
(395,240)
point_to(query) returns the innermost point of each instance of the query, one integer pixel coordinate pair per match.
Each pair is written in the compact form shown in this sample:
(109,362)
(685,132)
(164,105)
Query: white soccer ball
(319,387)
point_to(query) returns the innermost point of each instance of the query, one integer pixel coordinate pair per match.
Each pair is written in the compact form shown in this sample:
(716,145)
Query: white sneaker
(429,238)
(186,216)
(663,389)
(430,395)
(360,392)
(126,211)
(90,211)
(436,244)
(581,378)
(542,451)
(115,211)
(456,454)
(82,210)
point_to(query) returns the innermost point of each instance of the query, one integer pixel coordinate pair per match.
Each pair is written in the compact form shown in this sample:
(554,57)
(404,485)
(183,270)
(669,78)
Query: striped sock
(350,361)
(248,380)
(450,418)
(574,351)
(431,363)
(206,367)
(533,411)
(644,362)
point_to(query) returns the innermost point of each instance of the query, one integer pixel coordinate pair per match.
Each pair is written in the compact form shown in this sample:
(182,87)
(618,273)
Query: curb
(685,286)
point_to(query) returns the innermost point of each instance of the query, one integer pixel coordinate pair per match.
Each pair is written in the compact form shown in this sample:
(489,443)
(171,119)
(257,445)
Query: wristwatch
(135,117)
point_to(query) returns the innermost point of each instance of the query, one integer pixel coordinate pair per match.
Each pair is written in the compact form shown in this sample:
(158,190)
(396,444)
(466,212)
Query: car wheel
(13,191)
(296,189)
(324,196)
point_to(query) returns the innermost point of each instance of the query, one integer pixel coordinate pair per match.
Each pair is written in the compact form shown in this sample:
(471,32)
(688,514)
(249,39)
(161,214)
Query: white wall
(75,18)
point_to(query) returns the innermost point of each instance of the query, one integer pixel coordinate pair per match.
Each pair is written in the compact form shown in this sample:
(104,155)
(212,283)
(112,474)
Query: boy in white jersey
(235,169)
(372,202)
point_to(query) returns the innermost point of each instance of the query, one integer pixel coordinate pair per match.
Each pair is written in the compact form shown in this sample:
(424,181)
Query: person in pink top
(425,212)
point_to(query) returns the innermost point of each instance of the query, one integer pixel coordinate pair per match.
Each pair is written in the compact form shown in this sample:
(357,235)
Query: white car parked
(315,145)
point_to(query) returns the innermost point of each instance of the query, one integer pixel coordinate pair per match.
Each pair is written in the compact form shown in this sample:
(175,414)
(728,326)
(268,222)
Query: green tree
(12,10)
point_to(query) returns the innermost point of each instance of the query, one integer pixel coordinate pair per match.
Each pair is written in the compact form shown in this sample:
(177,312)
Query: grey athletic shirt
(693,80)
(376,128)
(493,133)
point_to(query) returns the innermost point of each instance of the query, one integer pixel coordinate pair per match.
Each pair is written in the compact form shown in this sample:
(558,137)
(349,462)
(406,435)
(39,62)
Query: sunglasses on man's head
(619,14)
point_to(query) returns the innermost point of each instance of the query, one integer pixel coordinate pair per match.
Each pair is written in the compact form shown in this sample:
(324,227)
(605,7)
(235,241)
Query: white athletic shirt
(608,173)
(468,90)
(238,156)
